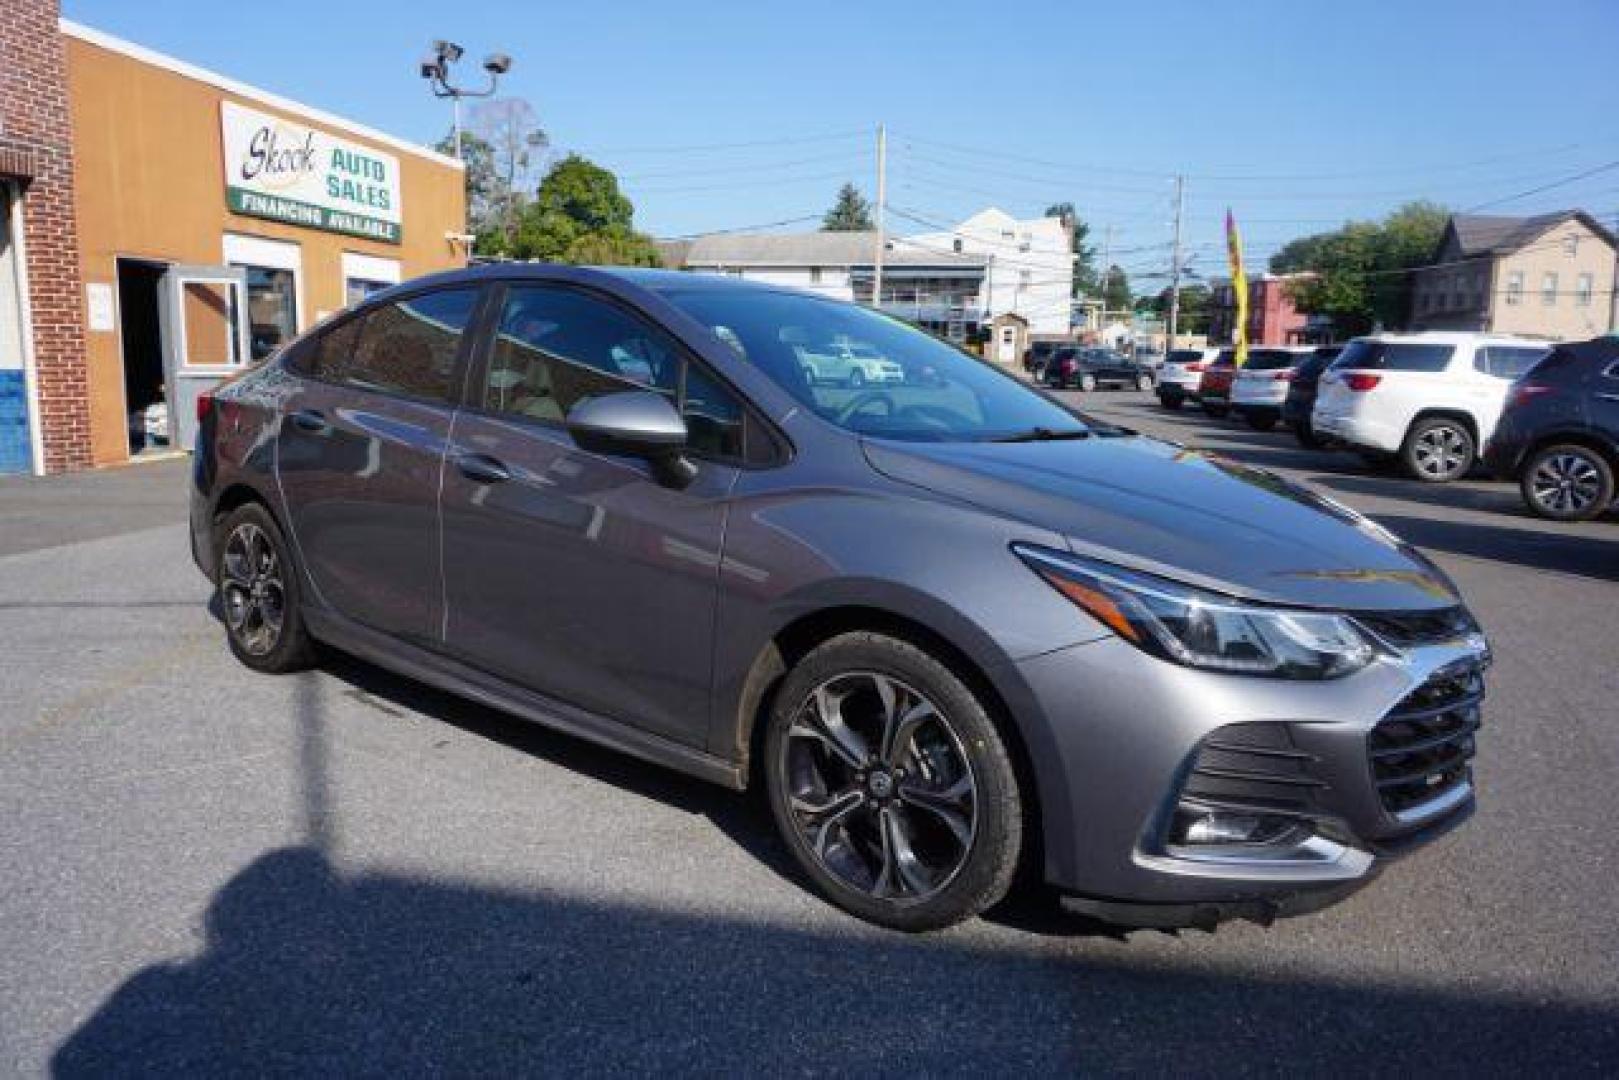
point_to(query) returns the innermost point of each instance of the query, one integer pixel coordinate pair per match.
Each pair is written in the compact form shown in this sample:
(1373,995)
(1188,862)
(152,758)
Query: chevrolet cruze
(951,628)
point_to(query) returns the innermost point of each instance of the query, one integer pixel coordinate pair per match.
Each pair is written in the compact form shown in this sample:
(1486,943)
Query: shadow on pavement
(307,972)
(1596,556)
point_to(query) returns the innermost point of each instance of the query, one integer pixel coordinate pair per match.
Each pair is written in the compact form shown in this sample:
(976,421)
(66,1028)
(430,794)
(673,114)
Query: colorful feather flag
(1239,287)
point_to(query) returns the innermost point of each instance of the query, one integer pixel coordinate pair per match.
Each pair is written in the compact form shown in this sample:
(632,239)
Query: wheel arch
(1591,440)
(1448,412)
(801,635)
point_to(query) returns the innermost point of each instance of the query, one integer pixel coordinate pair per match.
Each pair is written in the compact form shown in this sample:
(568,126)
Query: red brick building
(42,356)
(1272,317)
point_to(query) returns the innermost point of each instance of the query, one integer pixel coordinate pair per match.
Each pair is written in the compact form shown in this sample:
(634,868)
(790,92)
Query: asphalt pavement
(204,870)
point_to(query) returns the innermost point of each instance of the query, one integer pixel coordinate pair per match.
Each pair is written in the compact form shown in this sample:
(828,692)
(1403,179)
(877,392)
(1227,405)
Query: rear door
(575,574)
(359,455)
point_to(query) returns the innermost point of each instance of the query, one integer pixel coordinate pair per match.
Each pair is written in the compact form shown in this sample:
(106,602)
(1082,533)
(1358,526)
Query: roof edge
(101,38)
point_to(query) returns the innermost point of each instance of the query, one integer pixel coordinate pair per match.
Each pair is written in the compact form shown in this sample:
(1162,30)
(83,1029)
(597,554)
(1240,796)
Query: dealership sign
(287,172)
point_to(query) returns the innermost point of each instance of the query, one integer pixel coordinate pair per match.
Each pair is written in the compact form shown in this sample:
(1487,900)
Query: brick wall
(36,147)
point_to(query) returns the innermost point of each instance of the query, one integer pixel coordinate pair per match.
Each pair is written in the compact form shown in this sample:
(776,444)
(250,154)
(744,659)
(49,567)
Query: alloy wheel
(251,587)
(879,787)
(1443,451)
(1566,483)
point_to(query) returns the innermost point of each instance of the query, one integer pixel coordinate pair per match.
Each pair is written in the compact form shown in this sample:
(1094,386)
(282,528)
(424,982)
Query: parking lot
(210,870)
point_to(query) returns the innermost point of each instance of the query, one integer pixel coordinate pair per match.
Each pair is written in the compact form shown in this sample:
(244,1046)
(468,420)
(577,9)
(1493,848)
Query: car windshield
(940,393)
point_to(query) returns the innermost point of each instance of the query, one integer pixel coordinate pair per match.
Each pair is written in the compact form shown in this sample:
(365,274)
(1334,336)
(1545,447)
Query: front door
(574,574)
(359,456)
(202,316)
(16,444)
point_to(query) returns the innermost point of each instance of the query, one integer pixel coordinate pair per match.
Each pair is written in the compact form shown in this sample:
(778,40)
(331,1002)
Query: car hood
(1183,514)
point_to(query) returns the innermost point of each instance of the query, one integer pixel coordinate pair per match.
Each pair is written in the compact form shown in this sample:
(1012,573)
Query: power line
(744,144)
(745,228)
(842,155)
(1546,187)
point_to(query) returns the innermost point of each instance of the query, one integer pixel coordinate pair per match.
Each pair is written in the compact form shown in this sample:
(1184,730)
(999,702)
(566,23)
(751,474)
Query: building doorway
(16,440)
(140,330)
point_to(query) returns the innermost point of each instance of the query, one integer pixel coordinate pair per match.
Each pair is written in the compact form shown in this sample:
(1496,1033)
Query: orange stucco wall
(150,184)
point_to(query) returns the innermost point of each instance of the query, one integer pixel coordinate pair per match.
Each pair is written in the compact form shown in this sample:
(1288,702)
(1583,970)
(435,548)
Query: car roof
(1451,337)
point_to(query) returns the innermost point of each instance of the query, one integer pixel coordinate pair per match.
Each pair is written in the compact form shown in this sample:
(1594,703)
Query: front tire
(891,784)
(258,593)
(1216,409)
(1307,437)
(1260,420)
(1567,482)
(1172,402)
(1438,450)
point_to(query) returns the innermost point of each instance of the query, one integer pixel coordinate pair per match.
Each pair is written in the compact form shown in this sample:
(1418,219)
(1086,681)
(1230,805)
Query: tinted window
(1270,360)
(1393,356)
(1185,356)
(1507,361)
(556,347)
(936,393)
(406,347)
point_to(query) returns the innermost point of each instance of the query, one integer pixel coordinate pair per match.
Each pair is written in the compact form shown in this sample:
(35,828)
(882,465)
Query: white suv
(1178,379)
(1432,398)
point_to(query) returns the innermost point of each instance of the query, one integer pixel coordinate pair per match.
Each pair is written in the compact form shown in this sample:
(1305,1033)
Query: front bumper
(1129,738)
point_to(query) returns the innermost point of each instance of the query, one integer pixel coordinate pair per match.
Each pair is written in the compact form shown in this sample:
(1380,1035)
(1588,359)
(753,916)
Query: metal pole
(882,211)
(455,105)
(1175,266)
(1613,299)
(1107,274)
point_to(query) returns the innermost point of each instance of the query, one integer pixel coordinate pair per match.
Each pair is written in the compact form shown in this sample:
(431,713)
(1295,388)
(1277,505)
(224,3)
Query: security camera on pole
(435,68)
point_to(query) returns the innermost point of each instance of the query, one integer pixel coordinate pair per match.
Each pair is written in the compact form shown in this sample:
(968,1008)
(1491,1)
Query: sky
(1296,115)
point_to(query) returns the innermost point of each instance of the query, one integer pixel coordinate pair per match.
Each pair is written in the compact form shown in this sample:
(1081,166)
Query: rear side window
(1184,356)
(1507,361)
(406,347)
(1393,356)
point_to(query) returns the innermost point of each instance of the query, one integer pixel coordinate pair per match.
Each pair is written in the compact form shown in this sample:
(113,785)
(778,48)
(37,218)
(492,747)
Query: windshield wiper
(1042,434)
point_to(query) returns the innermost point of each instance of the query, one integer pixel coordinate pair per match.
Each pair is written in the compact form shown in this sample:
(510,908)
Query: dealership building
(162,225)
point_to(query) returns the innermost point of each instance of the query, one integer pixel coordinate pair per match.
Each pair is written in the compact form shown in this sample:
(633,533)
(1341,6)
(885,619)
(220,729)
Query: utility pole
(1107,276)
(1613,299)
(882,213)
(1175,266)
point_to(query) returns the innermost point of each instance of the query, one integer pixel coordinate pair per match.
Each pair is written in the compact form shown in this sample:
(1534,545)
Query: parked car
(1431,398)
(1182,372)
(1214,385)
(853,364)
(1301,391)
(914,617)
(1090,368)
(1558,436)
(1149,358)
(1036,355)
(1259,387)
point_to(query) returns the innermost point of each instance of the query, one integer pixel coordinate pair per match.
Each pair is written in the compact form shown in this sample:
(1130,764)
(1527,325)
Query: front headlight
(1203,629)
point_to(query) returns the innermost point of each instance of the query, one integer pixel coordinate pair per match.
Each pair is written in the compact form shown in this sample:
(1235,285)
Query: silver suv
(950,627)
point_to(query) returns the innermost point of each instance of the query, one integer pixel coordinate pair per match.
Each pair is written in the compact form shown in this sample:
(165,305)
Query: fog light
(1200,827)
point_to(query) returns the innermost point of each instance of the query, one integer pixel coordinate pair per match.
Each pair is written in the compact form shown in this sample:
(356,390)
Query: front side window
(911,385)
(556,347)
(272,309)
(406,347)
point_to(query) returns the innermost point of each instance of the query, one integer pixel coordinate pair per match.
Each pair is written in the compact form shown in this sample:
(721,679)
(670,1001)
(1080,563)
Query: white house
(951,282)
(1030,265)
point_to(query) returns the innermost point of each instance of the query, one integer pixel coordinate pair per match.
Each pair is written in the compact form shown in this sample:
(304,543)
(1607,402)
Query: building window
(272,309)
(1515,287)
(1548,289)
(356,289)
(956,245)
(364,275)
(1582,291)
(1024,277)
(1571,245)
(815,275)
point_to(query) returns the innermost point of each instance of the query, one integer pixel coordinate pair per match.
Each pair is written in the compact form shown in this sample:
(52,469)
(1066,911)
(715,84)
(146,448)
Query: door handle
(482,469)
(311,420)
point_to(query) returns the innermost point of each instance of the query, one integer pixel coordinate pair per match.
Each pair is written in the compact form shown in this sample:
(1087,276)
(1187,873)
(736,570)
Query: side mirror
(635,423)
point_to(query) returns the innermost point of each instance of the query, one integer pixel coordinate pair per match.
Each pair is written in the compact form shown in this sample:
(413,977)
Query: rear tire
(920,835)
(1260,421)
(1567,482)
(1170,402)
(1216,409)
(259,593)
(1438,450)
(1307,437)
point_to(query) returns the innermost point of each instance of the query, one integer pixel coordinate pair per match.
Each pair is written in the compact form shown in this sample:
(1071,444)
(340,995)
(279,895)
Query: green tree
(850,213)
(1085,275)
(579,216)
(480,178)
(501,147)
(1357,271)
(1194,309)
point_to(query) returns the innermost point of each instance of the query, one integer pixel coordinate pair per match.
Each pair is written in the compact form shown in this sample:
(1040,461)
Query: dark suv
(1559,433)
(1300,401)
(948,626)
(1089,368)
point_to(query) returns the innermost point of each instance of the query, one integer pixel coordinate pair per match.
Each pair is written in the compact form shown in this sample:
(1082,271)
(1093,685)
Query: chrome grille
(1405,629)
(1422,751)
